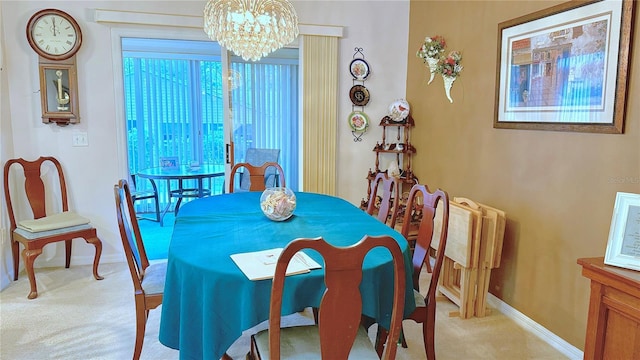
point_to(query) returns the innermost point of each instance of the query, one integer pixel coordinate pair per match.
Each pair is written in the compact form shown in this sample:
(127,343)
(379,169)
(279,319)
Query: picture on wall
(565,68)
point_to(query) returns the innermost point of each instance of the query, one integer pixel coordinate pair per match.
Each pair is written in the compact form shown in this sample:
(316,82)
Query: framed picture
(169,162)
(565,68)
(623,247)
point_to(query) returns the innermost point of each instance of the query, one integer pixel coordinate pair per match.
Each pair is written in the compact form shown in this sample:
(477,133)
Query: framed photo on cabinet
(623,247)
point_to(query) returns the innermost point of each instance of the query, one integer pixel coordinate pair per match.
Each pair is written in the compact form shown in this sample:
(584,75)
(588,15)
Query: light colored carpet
(77,317)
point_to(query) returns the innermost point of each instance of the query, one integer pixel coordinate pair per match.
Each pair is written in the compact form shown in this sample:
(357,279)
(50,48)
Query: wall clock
(54,34)
(56,37)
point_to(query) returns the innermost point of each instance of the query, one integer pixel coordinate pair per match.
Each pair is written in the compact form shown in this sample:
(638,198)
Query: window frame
(163,33)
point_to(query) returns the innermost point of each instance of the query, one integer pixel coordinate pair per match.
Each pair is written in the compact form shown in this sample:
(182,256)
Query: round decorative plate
(358,121)
(359,95)
(359,69)
(399,110)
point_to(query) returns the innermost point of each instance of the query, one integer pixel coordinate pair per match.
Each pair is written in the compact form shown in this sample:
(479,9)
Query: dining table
(208,301)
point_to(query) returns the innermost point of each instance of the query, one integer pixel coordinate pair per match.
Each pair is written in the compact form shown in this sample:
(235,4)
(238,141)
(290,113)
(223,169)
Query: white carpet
(77,317)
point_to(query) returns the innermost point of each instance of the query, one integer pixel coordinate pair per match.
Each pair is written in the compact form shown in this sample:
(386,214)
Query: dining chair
(257,176)
(338,333)
(428,249)
(387,189)
(257,157)
(148,278)
(51,220)
(138,194)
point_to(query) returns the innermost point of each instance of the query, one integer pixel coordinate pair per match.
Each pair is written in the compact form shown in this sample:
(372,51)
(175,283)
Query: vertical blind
(173,105)
(264,103)
(320,107)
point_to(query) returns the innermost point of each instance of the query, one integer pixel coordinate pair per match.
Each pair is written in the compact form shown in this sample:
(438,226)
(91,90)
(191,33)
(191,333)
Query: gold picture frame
(565,68)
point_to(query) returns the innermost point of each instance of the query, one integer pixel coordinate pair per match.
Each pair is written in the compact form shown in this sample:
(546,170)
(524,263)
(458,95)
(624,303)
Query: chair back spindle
(389,187)
(257,175)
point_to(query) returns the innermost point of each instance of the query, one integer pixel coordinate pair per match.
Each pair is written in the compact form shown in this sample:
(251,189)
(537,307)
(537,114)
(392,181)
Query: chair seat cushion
(303,343)
(154,275)
(53,222)
(42,234)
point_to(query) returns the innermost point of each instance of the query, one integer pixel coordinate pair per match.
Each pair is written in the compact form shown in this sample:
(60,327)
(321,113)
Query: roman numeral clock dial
(56,37)
(54,34)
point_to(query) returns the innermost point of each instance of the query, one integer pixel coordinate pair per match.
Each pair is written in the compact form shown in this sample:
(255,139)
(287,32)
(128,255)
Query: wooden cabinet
(613,324)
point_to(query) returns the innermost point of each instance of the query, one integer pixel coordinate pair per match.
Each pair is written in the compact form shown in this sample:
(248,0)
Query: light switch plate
(80,139)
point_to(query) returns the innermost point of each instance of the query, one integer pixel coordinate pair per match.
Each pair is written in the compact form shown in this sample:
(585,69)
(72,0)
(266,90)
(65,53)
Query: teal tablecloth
(208,301)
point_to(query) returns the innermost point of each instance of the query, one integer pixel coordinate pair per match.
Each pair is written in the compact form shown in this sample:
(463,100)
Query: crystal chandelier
(251,28)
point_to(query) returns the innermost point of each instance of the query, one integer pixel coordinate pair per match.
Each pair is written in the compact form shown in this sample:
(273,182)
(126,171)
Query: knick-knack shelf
(396,145)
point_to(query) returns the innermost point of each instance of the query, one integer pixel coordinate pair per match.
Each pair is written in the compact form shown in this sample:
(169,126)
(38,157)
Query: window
(174,104)
(265,108)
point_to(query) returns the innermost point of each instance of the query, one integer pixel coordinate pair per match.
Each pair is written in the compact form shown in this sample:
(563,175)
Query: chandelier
(251,28)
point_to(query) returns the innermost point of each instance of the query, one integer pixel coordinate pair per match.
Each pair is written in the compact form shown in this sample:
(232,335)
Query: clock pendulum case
(56,37)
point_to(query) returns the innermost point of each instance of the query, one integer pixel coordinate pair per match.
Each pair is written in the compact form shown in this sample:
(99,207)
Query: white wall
(379,27)
(6,152)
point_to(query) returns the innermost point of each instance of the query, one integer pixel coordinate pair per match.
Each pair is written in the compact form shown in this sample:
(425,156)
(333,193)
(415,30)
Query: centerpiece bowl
(278,203)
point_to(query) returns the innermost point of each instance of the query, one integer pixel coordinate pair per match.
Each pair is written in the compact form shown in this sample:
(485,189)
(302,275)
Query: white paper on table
(260,265)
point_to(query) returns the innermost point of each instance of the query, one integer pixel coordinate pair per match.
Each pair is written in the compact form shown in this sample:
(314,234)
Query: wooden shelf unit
(390,147)
(387,148)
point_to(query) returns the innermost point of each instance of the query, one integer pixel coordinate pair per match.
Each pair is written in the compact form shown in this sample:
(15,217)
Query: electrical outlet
(80,139)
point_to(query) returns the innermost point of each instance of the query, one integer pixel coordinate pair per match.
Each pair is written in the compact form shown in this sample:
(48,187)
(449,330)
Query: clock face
(54,34)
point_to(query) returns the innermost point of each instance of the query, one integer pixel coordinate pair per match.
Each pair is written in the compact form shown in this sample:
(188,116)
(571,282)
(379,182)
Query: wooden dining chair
(138,194)
(388,189)
(257,157)
(428,249)
(46,225)
(148,278)
(338,333)
(257,176)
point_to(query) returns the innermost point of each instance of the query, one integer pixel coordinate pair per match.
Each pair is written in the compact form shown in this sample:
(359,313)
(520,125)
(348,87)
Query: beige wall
(557,188)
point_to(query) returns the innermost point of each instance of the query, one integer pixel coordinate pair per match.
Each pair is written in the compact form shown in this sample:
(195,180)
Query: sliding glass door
(264,103)
(174,105)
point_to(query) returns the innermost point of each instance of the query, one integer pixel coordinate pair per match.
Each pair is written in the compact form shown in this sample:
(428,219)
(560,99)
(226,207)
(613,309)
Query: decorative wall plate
(358,121)
(359,95)
(359,69)
(399,110)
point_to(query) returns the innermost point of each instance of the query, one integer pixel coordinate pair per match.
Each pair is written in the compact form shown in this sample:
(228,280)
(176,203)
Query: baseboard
(105,259)
(6,267)
(550,338)
(81,260)
(5,258)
